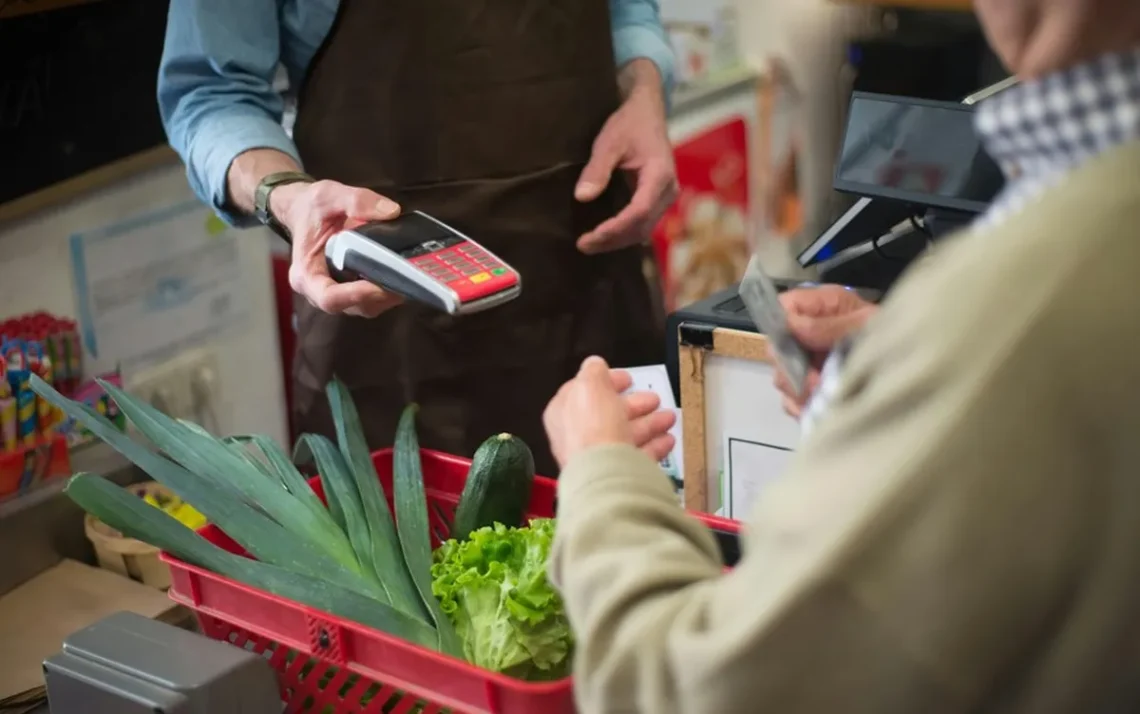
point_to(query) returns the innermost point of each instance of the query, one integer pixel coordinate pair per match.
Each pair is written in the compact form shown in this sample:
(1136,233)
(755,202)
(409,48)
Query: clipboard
(725,377)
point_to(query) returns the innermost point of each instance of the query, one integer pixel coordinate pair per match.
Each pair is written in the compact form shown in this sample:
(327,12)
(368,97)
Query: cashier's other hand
(819,318)
(590,410)
(633,142)
(315,212)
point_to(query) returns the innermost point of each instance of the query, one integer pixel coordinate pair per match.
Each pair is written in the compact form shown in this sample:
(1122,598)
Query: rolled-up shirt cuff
(640,42)
(221,140)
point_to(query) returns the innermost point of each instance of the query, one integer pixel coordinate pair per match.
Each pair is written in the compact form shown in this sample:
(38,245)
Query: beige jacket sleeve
(878,575)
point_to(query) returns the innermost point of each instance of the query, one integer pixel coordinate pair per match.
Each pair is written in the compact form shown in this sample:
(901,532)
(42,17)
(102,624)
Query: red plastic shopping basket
(329,665)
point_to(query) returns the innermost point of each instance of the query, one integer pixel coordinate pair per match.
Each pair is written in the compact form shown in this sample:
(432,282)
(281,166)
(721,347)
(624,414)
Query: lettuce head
(493,586)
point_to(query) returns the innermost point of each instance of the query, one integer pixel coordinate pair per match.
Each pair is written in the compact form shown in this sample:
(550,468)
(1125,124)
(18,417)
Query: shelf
(86,182)
(45,526)
(964,5)
(16,8)
(707,91)
(95,458)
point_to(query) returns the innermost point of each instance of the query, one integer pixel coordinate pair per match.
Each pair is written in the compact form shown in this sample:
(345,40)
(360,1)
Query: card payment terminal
(423,259)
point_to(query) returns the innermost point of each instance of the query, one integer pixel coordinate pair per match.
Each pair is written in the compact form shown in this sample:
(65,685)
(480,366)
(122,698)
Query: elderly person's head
(1035,37)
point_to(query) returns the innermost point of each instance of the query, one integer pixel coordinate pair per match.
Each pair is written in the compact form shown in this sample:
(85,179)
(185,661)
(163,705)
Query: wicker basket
(126,556)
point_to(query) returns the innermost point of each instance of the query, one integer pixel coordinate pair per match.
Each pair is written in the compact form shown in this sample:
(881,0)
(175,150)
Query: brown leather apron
(482,113)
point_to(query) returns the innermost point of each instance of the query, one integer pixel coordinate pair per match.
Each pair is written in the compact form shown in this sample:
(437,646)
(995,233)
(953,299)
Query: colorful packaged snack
(8,430)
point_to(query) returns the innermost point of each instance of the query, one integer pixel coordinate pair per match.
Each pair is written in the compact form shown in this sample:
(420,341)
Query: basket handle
(325,640)
(492,691)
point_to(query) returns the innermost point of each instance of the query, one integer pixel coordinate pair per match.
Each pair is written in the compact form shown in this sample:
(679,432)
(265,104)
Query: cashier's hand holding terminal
(591,410)
(819,317)
(313,212)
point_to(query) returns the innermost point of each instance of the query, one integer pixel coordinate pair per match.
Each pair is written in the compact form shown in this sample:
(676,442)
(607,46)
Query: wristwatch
(261,198)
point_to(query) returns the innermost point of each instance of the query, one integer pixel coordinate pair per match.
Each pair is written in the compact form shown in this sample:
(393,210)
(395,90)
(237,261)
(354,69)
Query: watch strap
(265,188)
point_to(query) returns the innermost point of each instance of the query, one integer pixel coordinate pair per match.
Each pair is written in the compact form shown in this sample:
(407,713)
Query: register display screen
(915,150)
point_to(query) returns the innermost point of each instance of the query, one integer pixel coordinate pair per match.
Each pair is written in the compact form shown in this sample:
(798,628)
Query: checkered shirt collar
(1055,123)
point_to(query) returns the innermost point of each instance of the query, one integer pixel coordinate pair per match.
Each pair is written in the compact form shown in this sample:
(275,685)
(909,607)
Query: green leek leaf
(131,516)
(239,446)
(303,454)
(264,539)
(204,454)
(286,472)
(339,482)
(412,523)
(387,559)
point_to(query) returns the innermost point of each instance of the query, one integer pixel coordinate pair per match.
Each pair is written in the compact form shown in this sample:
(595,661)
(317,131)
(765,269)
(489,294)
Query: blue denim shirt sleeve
(638,33)
(215,89)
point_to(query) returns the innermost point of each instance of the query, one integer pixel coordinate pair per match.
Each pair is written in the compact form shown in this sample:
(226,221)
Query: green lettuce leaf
(494,589)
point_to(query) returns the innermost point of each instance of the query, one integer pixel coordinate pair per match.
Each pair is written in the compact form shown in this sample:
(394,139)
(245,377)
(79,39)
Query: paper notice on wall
(749,467)
(704,35)
(154,285)
(21,284)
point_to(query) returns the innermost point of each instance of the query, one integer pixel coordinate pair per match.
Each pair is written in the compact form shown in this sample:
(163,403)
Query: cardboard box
(38,615)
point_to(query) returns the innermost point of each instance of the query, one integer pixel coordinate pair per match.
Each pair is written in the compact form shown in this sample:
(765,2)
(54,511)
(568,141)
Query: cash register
(917,170)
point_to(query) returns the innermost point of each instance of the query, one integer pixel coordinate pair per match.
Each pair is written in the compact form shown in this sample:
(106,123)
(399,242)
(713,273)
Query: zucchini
(412,523)
(498,487)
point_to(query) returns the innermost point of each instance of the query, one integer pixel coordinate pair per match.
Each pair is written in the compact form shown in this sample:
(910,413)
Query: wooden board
(915,4)
(85,183)
(735,351)
(15,8)
(77,89)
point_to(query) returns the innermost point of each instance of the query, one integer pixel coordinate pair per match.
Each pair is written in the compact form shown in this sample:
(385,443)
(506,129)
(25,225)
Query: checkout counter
(918,172)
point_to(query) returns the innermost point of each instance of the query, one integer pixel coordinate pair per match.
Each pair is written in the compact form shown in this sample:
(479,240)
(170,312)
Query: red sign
(702,242)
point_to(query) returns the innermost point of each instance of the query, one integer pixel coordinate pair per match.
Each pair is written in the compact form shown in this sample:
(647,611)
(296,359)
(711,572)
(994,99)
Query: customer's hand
(313,213)
(590,410)
(635,140)
(819,317)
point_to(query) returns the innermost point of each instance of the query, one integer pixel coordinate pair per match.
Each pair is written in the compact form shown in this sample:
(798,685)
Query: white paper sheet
(749,466)
(655,378)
